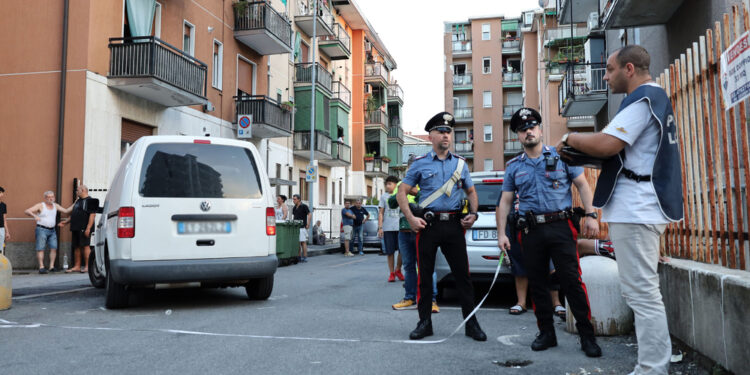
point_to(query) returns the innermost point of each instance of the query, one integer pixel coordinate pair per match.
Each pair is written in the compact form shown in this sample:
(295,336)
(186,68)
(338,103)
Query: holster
(577,213)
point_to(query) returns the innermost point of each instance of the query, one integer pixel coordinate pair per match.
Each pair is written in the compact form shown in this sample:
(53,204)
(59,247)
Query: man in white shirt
(639,191)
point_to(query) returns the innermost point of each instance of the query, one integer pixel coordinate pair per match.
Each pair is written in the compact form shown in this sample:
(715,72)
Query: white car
(186,211)
(481,239)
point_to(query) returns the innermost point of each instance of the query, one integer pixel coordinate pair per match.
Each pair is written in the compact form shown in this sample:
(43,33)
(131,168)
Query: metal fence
(341,92)
(461,46)
(462,79)
(264,110)
(260,15)
(463,113)
(304,74)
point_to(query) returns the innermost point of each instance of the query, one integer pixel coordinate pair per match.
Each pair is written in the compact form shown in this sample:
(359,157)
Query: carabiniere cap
(525,118)
(441,121)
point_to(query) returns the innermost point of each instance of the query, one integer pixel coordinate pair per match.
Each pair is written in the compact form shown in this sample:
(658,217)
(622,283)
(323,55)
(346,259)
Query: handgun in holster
(576,214)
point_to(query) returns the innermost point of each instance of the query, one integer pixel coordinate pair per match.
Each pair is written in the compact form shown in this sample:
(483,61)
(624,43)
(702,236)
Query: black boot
(544,340)
(590,347)
(474,331)
(424,329)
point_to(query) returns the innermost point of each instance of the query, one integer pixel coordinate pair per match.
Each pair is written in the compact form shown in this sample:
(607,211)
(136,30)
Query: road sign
(244,126)
(311,174)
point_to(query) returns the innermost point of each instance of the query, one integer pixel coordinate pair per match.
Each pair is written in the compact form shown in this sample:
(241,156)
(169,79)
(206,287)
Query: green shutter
(511,25)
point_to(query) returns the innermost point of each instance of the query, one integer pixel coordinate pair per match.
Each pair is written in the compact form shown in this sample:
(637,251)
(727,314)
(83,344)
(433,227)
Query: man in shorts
(81,226)
(302,212)
(347,224)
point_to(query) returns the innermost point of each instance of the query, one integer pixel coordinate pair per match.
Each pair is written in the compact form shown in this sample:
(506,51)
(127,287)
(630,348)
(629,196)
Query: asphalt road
(331,315)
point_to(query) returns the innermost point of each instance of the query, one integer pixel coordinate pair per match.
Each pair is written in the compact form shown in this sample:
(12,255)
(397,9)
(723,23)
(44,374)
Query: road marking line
(343,264)
(52,293)
(482,309)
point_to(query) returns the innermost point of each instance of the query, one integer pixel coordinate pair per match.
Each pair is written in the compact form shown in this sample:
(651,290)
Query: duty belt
(432,217)
(531,219)
(634,176)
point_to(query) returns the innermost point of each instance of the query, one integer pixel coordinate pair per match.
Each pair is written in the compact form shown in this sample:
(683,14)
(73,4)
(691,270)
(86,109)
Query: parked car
(481,239)
(371,230)
(187,211)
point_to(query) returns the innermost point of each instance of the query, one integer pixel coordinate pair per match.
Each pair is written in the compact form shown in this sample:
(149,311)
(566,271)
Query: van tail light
(126,222)
(270,221)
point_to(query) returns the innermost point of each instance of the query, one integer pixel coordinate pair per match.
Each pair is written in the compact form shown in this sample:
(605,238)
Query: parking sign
(244,126)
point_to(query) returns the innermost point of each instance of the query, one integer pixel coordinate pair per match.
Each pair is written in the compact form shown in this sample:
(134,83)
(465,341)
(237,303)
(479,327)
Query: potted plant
(386,159)
(370,156)
(287,106)
(240,8)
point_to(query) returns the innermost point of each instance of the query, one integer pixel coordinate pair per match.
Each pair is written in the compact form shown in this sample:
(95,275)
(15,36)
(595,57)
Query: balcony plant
(370,156)
(240,7)
(386,159)
(287,106)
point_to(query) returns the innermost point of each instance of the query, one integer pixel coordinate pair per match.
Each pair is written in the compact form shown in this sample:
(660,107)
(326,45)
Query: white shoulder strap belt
(447,186)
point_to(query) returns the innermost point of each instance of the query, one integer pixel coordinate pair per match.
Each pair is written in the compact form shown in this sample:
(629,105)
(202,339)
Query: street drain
(513,363)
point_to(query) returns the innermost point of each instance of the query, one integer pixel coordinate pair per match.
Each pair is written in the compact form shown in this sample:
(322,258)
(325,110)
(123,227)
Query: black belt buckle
(429,216)
(445,216)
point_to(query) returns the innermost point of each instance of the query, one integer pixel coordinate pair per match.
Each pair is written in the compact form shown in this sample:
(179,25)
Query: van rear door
(199,201)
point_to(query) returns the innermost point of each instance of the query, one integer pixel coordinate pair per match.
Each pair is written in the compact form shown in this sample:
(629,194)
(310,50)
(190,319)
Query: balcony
(269,120)
(153,69)
(305,19)
(512,79)
(462,82)
(463,114)
(511,45)
(583,91)
(461,47)
(512,147)
(304,71)
(377,73)
(579,9)
(341,155)
(509,110)
(260,27)
(395,133)
(395,94)
(465,148)
(376,167)
(338,45)
(560,36)
(576,122)
(341,93)
(376,119)
(628,13)
(322,145)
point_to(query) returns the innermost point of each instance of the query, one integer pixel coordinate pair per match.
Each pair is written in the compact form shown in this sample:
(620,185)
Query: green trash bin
(287,241)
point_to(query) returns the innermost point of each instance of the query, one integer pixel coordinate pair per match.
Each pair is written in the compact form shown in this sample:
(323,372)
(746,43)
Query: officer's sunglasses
(443,129)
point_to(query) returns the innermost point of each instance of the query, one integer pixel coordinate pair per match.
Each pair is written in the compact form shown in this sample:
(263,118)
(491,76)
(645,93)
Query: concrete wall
(707,308)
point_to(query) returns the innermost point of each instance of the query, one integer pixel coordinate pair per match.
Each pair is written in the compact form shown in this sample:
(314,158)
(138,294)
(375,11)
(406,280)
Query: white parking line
(344,264)
(52,293)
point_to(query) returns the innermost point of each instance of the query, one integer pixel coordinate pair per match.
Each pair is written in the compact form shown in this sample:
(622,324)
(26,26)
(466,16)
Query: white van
(187,211)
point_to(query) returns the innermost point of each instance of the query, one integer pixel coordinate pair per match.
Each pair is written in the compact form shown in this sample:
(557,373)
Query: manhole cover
(513,363)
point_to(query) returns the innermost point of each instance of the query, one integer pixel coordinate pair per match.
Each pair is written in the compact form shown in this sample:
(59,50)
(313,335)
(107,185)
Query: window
(528,18)
(245,76)
(193,170)
(322,190)
(488,133)
(488,165)
(278,96)
(156,28)
(459,69)
(486,65)
(487,99)
(485,31)
(218,63)
(188,38)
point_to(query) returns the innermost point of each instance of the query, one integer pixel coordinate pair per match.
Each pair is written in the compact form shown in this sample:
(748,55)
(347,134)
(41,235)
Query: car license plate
(485,234)
(201,227)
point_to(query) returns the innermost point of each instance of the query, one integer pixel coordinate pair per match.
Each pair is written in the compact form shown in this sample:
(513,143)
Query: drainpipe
(61,119)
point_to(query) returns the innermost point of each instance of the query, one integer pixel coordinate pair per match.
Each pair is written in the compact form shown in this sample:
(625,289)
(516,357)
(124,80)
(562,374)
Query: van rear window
(192,170)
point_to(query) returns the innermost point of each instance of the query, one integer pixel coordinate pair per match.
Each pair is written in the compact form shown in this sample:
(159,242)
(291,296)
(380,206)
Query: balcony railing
(395,132)
(462,80)
(460,46)
(511,44)
(260,15)
(464,146)
(395,92)
(265,111)
(342,152)
(305,12)
(378,116)
(322,141)
(512,78)
(342,93)
(562,33)
(339,35)
(509,110)
(376,71)
(304,74)
(151,57)
(512,146)
(463,113)
(582,80)
(376,166)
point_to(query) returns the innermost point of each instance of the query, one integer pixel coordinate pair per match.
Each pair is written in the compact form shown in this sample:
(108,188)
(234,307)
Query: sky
(412,31)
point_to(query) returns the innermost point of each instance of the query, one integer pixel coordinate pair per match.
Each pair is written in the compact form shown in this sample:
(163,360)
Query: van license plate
(200,227)
(484,235)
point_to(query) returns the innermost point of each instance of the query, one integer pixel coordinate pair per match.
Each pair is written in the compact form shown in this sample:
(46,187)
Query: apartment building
(483,87)
(189,68)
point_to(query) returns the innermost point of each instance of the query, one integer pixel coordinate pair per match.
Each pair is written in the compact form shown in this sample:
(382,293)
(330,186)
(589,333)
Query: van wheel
(97,279)
(259,289)
(117,295)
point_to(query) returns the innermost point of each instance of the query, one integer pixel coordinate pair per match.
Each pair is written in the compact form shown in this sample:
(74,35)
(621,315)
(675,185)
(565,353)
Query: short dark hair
(296,196)
(2,190)
(636,55)
(283,197)
(393,179)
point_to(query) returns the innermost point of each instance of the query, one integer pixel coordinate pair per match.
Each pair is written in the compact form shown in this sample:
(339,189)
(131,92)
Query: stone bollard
(6,288)
(610,315)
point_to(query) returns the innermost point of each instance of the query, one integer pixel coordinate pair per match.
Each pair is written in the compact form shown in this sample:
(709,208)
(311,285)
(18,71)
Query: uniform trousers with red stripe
(556,241)
(449,236)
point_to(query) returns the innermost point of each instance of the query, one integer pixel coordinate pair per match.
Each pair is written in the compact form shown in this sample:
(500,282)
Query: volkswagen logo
(205,206)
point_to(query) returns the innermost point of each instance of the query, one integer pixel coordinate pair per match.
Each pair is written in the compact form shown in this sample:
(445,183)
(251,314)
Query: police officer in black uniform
(546,227)
(439,223)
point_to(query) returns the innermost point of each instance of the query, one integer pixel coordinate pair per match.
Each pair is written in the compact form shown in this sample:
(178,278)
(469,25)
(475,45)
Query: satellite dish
(543,3)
